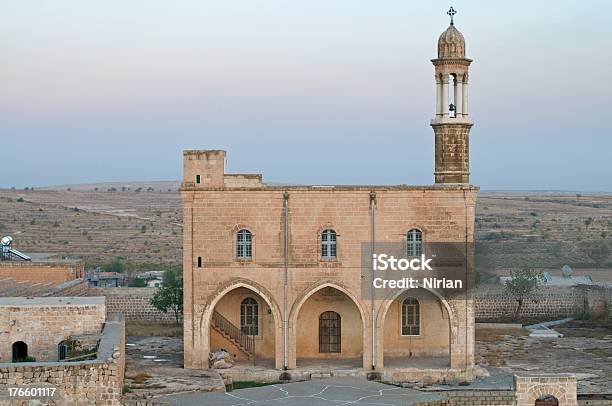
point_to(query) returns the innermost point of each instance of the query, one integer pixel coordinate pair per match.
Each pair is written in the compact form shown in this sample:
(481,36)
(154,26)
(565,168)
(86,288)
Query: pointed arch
(205,318)
(301,300)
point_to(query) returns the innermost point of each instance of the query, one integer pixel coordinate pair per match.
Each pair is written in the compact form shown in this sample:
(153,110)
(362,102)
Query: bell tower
(452,122)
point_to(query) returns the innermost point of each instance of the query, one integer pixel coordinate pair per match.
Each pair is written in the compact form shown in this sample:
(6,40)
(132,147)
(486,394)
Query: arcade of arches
(329,324)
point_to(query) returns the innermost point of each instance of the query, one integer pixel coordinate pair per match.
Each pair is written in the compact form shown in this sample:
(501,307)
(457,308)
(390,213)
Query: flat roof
(191,186)
(51,301)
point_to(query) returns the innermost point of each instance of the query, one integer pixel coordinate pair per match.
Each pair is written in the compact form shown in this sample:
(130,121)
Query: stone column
(439,109)
(465,97)
(459,99)
(445,96)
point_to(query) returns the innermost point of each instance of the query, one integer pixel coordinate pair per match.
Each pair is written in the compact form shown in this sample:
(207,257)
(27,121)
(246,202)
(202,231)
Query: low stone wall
(95,382)
(530,387)
(481,397)
(594,402)
(133,303)
(492,302)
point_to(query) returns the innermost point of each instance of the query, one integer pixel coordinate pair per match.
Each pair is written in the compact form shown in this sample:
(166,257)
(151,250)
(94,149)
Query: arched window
(249,317)
(411,317)
(62,350)
(20,351)
(328,244)
(414,240)
(244,244)
(330,332)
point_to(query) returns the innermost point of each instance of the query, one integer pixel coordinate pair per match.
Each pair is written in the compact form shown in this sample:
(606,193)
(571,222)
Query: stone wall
(213,217)
(594,402)
(94,382)
(492,302)
(480,397)
(42,323)
(133,303)
(530,387)
(41,272)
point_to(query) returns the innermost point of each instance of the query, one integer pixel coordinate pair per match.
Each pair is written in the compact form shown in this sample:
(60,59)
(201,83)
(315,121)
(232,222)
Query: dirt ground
(585,350)
(142,223)
(154,366)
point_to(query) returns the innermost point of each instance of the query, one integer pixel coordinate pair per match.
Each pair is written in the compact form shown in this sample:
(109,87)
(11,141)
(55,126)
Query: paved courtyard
(318,392)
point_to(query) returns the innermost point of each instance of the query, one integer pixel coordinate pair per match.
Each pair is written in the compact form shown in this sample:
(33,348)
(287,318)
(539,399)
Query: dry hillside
(142,223)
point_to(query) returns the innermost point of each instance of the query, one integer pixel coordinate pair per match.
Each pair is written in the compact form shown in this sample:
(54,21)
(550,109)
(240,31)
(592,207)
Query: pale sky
(318,91)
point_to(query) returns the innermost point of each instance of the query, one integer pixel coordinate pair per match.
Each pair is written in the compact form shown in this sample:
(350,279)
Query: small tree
(170,294)
(521,284)
(115,266)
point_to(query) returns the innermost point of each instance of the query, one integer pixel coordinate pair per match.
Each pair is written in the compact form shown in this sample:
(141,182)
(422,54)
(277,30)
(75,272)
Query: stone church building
(273,273)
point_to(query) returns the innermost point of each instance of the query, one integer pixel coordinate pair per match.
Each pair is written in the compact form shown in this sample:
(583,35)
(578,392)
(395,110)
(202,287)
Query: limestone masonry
(37,330)
(273,272)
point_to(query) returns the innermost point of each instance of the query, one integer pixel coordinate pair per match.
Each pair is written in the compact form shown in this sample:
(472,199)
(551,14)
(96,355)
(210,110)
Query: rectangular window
(197,178)
(410,318)
(244,245)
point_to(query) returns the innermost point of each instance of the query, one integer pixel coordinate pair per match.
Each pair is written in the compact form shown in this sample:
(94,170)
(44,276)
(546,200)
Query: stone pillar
(439,109)
(445,96)
(465,97)
(459,99)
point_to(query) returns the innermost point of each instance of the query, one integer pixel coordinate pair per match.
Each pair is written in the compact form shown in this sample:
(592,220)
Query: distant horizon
(138,183)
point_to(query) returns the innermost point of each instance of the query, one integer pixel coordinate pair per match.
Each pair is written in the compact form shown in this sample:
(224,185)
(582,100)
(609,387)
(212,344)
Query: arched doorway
(546,400)
(20,351)
(328,329)
(330,333)
(416,331)
(243,324)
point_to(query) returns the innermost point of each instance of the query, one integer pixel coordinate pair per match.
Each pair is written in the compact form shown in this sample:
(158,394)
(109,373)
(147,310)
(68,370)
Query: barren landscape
(141,223)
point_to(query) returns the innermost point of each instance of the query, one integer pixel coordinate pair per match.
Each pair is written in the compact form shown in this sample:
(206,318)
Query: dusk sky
(315,92)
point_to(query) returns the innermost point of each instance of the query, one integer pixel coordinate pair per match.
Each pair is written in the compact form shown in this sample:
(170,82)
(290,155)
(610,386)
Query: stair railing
(247,342)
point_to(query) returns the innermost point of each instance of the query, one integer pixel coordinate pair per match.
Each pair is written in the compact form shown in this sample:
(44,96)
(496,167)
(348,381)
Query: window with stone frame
(244,244)
(328,244)
(414,243)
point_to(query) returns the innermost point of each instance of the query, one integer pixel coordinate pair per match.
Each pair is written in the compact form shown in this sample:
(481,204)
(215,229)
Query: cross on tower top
(451,12)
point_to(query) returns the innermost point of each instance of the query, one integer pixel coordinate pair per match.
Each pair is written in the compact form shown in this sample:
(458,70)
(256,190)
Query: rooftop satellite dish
(7,252)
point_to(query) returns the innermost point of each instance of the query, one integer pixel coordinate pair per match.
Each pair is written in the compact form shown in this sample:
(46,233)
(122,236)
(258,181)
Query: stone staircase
(231,332)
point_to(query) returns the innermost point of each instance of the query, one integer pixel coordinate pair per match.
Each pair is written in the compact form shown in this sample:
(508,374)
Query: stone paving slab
(332,391)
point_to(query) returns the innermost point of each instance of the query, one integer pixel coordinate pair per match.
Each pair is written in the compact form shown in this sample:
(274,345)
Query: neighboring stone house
(100,279)
(274,272)
(36,326)
(64,344)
